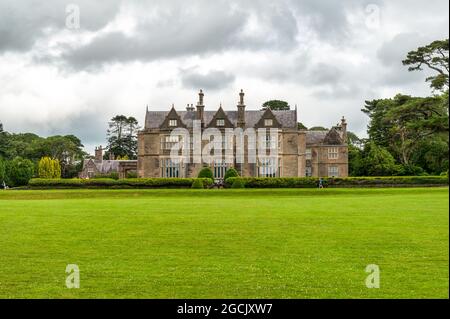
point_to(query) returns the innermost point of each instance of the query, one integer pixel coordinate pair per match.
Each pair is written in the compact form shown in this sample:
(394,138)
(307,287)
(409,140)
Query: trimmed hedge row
(120,183)
(311,182)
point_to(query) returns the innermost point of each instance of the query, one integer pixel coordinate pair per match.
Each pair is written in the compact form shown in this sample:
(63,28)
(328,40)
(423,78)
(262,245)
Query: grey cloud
(22,23)
(205,27)
(213,80)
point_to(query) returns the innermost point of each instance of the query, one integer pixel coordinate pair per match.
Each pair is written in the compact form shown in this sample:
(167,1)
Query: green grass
(284,243)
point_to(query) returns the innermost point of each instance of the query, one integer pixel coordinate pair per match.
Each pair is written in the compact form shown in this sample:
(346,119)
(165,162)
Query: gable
(172,116)
(269,116)
(220,115)
(333,137)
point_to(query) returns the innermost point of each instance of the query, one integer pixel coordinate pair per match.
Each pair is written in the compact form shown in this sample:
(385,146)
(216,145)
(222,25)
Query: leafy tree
(435,57)
(49,168)
(2,171)
(300,126)
(19,171)
(404,124)
(122,137)
(276,105)
(378,161)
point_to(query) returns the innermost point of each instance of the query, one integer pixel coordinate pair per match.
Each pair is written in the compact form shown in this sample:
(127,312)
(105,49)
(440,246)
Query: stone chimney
(99,154)
(200,107)
(241,110)
(190,108)
(344,129)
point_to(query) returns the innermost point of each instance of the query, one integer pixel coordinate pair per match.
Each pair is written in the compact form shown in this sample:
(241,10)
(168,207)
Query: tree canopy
(122,137)
(435,57)
(276,105)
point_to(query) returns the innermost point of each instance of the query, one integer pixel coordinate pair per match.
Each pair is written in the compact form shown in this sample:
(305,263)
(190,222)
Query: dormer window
(173,123)
(220,122)
(268,122)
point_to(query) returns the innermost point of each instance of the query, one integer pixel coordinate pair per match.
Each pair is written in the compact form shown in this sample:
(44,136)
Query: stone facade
(98,166)
(300,152)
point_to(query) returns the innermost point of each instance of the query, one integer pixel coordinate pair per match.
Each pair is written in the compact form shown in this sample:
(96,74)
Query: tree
(403,123)
(300,126)
(2,171)
(435,56)
(19,171)
(276,105)
(378,161)
(122,137)
(49,168)
(3,141)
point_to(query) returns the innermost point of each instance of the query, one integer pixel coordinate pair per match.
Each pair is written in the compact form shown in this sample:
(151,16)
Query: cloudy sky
(58,76)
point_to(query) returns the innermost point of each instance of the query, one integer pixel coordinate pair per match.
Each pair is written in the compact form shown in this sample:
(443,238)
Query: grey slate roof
(315,137)
(106,167)
(287,119)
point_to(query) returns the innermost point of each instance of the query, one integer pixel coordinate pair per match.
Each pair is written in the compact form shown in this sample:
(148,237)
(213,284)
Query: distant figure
(4,185)
(320,183)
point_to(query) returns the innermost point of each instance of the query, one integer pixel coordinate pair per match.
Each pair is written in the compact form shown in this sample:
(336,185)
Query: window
(308,171)
(169,141)
(270,141)
(268,122)
(173,122)
(170,169)
(333,153)
(333,171)
(220,122)
(308,154)
(269,167)
(219,168)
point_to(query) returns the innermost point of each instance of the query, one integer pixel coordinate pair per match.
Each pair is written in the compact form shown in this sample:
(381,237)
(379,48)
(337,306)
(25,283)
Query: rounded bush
(206,172)
(231,172)
(238,183)
(198,184)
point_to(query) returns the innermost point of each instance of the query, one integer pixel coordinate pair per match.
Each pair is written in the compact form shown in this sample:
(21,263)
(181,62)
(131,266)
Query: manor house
(299,152)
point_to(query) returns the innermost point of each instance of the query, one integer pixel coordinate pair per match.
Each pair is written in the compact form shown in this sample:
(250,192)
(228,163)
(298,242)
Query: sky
(67,67)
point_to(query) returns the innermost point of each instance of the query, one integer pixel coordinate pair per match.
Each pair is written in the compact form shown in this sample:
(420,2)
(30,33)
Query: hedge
(120,183)
(311,182)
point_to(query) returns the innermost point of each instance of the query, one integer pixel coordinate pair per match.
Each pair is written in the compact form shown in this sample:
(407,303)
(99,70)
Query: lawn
(284,243)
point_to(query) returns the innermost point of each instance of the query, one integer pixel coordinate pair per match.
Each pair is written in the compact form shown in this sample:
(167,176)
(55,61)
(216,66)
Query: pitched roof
(287,119)
(108,166)
(315,137)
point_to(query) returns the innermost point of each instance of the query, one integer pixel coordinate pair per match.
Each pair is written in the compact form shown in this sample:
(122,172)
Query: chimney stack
(344,129)
(241,110)
(99,154)
(200,107)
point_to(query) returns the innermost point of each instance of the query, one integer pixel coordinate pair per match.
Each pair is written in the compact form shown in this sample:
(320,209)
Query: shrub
(206,172)
(19,171)
(311,182)
(238,183)
(112,175)
(121,183)
(231,172)
(197,184)
(132,174)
